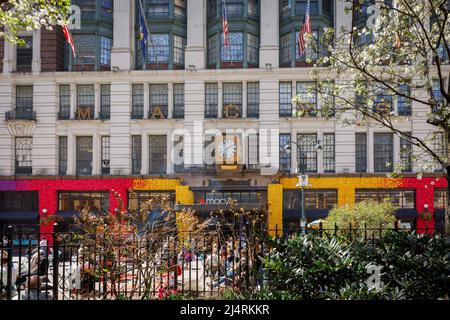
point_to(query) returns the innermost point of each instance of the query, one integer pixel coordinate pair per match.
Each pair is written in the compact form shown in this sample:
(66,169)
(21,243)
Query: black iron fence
(70,266)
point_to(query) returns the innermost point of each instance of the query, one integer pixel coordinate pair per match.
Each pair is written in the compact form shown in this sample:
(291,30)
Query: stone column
(196,34)
(122,53)
(36,63)
(268,50)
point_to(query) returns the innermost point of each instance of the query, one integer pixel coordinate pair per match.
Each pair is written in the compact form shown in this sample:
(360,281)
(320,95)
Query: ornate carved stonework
(21,128)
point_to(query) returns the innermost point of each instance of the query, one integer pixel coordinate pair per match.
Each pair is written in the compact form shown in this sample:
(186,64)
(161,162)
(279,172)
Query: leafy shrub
(366,218)
(412,267)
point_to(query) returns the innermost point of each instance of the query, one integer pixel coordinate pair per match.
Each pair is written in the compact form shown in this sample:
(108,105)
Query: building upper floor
(183,35)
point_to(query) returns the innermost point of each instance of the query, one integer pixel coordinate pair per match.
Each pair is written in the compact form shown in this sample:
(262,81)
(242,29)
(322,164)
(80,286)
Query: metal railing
(135,267)
(19,114)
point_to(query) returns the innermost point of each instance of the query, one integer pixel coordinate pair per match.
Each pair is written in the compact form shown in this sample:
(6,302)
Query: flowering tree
(30,14)
(391,53)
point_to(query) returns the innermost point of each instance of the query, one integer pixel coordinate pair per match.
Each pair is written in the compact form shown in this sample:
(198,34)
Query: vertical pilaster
(71,154)
(36,62)
(269,17)
(195,53)
(122,53)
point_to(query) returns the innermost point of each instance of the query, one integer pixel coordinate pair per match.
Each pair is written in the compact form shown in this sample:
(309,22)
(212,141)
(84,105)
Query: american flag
(69,39)
(224,24)
(306,29)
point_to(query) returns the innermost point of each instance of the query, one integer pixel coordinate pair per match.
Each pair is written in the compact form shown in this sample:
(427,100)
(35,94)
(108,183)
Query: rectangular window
(107,8)
(307,153)
(209,156)
(383,102)
(252,49)
(212,8)
(310,51)
(105,101)
(85,95)
(439,148)
(401,199)
(285,155)
(253,152)
(324,199)
(252,8)
(87,8)
(179,9)
(25,55)
(234,8)
(179,154)
(232,100)
(158,48)
(179,43)
(24,147)
(159,101)
(300,7)
(178,100)
(211,100)
(62,155)
(308,97)
(328,152)
(158,154)
(253,100)
(24,102)
(90,201)
(404,103)
(437,96)
(136,154)
(64,102)
(235,49)
(406,155)
(105,50)
(440,198)
(86,45)
(137,109)
(158,9)
(105,154)
(360,152)
(84,155)
(212,50)
(139,201)
(285,97)
(383,152)
(16,201)
(285,55)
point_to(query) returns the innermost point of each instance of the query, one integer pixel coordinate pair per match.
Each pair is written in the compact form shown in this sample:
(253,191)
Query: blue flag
(143,32)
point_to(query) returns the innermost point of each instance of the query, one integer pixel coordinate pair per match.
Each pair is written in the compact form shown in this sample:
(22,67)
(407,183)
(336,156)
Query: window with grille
(136,154)
(179,154)
(137,108)
(253,152)
(64,101)
(300,7)
(311,48)
(440,198)
(234,8)
(308,98)
(328,152)
(437,97)
(253,100)
(105,101)
(24,146)
(84,155)
(400,198)
(24,102)
(285,46)
(252,8)
(16,201)
(178,100)
(361,152)
(85,95)
(179,43)
(159,99)
(24,55)
(383,101)
(158,154)
(150,201)
(105,154)
(62,152)
(285,155)
(439,148)
(235,49)
(307,152)
(232,100)
(157,9)
(404,103)
(87,7)
(324,199)
(86,48)
(105,50)
(285,99)
(212,8)
(211,100)
(212,50)
(179,8)
(383,152)
(406,155)
(158,48)
(252,49)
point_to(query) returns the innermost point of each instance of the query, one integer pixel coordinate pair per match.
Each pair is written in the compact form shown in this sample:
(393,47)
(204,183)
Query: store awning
(19,217)
(404,214)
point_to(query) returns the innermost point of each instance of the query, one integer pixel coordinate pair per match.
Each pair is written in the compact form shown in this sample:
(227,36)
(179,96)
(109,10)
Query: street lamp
(302,178)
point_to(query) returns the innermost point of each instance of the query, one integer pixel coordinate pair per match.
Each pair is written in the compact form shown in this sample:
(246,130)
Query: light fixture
(44,211)
(425,206)
(268,66)
(115,68)
(191,67)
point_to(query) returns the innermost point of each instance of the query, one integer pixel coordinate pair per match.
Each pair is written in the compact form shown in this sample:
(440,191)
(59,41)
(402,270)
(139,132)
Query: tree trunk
(447,208)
